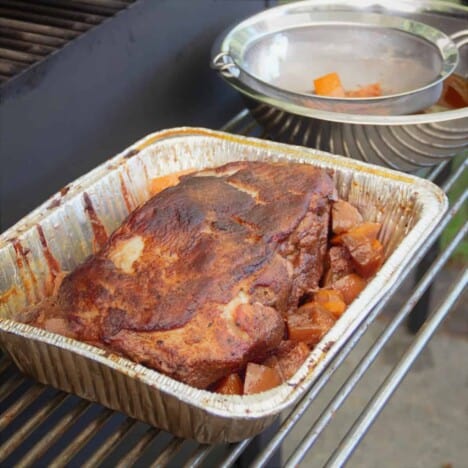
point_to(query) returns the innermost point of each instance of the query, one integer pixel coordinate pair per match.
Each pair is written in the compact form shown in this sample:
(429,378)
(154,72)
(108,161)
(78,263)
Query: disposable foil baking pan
(62,232)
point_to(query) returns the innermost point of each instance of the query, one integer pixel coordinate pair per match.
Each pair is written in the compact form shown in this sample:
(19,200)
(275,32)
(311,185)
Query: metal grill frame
(130,443)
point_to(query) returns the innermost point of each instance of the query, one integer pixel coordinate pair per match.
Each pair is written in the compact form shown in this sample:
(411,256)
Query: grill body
(143,68)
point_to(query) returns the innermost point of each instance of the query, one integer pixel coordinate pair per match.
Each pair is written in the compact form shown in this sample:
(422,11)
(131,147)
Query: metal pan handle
(460,38)
(224,64)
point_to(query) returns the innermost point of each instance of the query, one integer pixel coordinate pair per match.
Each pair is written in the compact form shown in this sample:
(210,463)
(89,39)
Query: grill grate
(30,30)
(40,426)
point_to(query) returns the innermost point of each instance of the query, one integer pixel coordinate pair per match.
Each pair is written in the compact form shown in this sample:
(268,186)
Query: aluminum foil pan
(57,236)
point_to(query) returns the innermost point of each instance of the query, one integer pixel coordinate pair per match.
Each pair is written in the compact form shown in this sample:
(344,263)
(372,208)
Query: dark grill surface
(30,30)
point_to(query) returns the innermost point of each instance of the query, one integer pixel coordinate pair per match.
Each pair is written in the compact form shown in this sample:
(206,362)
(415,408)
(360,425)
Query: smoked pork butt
(198,281)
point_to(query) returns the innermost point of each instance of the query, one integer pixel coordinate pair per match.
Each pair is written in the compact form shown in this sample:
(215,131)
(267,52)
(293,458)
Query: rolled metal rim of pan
(268,93)
(357,119)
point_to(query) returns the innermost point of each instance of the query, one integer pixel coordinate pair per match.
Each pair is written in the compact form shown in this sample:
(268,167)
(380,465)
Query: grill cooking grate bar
(11,67)
(5,364)
(48,439)
(165,456)
(18,56)
(380,398)
(130,443)
(13,442)
(32,38)
(10,386)
(31,30)
(20,405)
(42,29)
(198,456)
(110,443)
(47,11)
(132,456)
(82,439)
(34,18)
(83,6)
(309,440)
(24,46)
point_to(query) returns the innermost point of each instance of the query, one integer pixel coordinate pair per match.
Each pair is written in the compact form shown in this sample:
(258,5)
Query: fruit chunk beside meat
(344,216)
(350,286)
(332,300)
(290,357)
(259,378)
(230,385)
(365,249)
(310,323)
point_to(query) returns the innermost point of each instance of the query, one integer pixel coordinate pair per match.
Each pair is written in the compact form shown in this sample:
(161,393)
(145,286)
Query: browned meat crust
(197,281)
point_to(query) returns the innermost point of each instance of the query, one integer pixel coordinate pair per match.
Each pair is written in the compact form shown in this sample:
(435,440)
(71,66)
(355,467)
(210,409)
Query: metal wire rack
(32,30)
(40,426)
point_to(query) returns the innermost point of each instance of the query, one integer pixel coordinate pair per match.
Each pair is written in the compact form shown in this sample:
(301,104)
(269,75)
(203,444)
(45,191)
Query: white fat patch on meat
(288,263)
(248,190)
(228,313)
(213,173)
(231,306)
(126,252)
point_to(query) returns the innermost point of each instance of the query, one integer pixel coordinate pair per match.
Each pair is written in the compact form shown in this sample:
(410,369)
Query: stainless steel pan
(405,142)
(281,51)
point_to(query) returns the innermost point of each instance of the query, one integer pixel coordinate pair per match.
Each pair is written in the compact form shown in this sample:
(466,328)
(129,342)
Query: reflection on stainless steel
(198,456)
(81,439)
(165,456)
(20,405)
(110,443)
(403,147)
(10,386)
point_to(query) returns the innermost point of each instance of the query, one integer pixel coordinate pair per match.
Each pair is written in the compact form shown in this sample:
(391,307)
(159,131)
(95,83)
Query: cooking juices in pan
(454,94)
